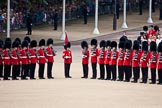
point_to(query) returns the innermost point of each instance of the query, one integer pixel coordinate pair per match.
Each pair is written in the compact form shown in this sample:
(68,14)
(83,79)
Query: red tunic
(85,57)
(107,57)
(33,58)
(136,58)
(144,59)
(24,58)
(153,59)
(6,58)
(114,56)
(67,56)
(127,58)
(159,65)
(42,58)
(14,59)
(151,32)
(94,54)
(49,55)
(101,56)
(120,58)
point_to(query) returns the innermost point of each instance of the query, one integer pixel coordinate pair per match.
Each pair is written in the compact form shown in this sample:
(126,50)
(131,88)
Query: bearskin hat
(123,38)
(1,43)
(33,43)
(24,44)
(84,44)
(15,44)
(7,45)
(42,42)
(136,45)
(27,38)
(108,43)
(8,39)
(136,42)
(128,44)
(142,33)
(94,42)
(144,46)
(156,28)
(145,28)
(18,40)
(113,44)
(153,46)
(102,43)
(67,46)
(49,41)
(121,44)
(160,47)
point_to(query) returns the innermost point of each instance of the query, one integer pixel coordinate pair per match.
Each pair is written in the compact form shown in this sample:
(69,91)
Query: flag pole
(96,31)
(8,19)
(150,11)
(62,37)
(124,26)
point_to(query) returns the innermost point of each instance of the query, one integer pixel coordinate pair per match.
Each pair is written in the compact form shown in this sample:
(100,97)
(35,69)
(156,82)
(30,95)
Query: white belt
(6,57)
(32,56)
(24,57)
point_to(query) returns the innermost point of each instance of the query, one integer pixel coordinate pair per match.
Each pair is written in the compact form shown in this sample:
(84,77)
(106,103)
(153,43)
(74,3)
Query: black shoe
(51,78)
(41,78)
(6,79)
(133,81)
(32,78)
(107,79)
(68,77)
(159,83)
(152,83)
(113,79)
(141,82)
(83,77)
(24,79)
(126,80)
(15,79)
(119,80)
(93,78)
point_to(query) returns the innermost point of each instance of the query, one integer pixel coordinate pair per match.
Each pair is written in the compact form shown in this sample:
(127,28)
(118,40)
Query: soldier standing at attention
(29,24)
(42,59)
(85,58)
(55,19)
(67,56)
(140,7)
(50,58)
(159,66)
(94,54)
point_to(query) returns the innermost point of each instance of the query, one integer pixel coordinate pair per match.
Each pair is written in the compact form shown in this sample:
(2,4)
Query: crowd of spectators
(43,13)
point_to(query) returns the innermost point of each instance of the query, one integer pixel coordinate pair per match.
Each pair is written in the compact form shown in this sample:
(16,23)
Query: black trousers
(153,75)
(113,71)
(25,70)
(67,69)
(7,69)
(94,70)
(127,72)
(85,70)
(120,73)
(102,71)
(140,9)
(29,28)
(1,70)
(19,70)
(55,25)
(108,71)
(144,74)
(136,73)
(32,70)
(9,73)
(160,75)
(14,71)
(85,19)
(41,70)
(49,69)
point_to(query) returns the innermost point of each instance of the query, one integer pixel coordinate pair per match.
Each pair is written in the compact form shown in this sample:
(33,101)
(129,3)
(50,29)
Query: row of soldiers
(22,58)
(129,59)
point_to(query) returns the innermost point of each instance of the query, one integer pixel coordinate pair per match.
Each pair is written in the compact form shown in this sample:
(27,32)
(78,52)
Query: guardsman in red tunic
(1,60)
(127,61)
(121,60)
(50,58)
(145,29)
(94,54)
(42,59)
(33,58)
(113,60)
(151,31)
(85,58)
(67,56)
(24,60)
(18,52)
(144,61)
(107,59)
(159,66)
(153,61)
(101,59)
(15,60)
(7,60)
(136,61)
